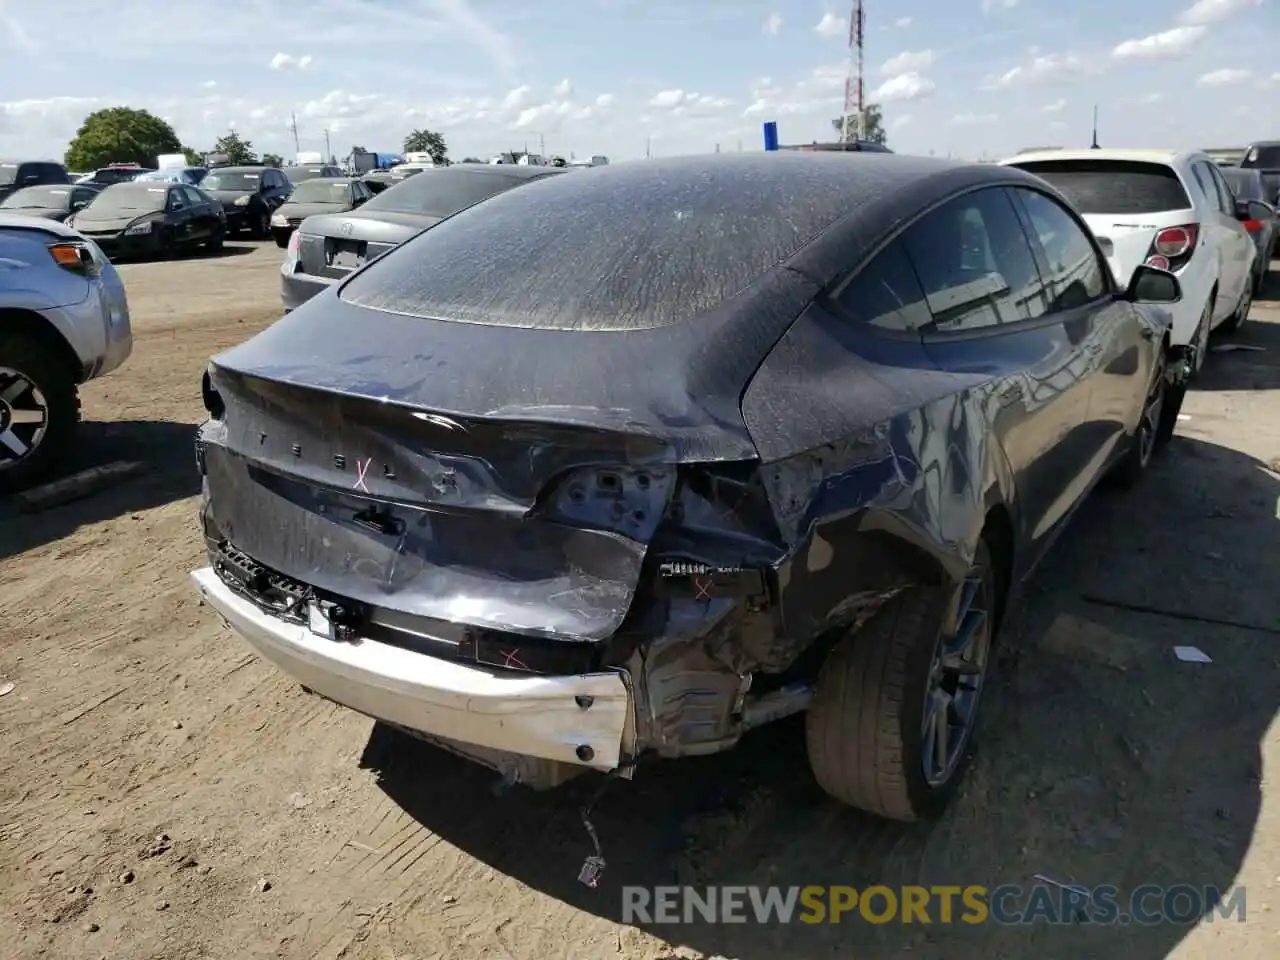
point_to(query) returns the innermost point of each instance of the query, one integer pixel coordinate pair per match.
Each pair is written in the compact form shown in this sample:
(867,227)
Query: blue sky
(961,77)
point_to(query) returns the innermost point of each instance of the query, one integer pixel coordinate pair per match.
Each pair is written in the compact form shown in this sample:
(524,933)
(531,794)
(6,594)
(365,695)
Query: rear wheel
(282,239)
(216,240)
(260,225)
(39,411)
(1237,319)
(891,726)
(167,248)
(1155,426)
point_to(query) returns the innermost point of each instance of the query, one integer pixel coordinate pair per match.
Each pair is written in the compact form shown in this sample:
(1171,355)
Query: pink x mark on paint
(511,658)
(704,588)
(362,470)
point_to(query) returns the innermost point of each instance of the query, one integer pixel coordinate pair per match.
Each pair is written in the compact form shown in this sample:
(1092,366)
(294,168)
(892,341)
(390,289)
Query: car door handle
(1148,333)
(1009,394)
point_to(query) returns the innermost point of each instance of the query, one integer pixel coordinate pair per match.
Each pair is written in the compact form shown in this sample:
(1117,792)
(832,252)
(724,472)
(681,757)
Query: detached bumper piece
(581,720)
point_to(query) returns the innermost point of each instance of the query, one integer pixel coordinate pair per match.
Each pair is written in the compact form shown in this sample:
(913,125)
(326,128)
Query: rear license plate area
(347,254)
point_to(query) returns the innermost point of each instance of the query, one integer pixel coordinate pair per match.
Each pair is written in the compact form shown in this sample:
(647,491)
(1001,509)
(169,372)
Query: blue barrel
(771,135)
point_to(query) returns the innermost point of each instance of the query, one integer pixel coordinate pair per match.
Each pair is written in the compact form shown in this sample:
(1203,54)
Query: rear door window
(886,294)
(975,263)
(1225,195)
(1113,186)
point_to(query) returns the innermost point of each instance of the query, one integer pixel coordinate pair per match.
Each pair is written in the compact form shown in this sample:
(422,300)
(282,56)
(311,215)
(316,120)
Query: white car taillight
(292,253)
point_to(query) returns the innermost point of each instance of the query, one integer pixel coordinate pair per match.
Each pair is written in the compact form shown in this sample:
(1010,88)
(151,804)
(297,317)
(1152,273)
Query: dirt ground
(165,794)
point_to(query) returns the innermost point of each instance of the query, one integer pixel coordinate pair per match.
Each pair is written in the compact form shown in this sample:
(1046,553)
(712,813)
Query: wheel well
(28,323)
(997,531)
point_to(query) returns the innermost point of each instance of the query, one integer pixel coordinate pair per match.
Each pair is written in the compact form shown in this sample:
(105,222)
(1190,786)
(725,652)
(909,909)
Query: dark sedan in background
(55,201)
(310,171)
(328,247)
(317,196)
(1250,184)
(115,173)
(249,195)
(151,220)
(623,465)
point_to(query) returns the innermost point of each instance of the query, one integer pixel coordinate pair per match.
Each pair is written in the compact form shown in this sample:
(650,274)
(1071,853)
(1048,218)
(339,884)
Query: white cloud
(516,98)
(1169,45)
(773,24)
(903,88)
(907,62)
(1205,12)
(901,23)
(989,6)
(604,101)
(897,123)
(973,119)
(285,61)
(1226,77)
(1047,68)
(1056,107)
(684,102)
(563,88)
(209,84)
(832,26)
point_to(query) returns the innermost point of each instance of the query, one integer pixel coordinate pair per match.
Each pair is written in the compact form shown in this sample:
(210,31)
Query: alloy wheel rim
(24,417)
(957,675)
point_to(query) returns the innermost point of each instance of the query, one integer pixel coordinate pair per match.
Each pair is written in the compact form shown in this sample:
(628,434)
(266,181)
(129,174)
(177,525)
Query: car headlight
(138,228)
(242,201)
(279,220)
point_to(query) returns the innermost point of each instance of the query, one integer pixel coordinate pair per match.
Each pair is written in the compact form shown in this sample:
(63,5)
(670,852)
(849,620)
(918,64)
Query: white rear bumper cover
(533,716)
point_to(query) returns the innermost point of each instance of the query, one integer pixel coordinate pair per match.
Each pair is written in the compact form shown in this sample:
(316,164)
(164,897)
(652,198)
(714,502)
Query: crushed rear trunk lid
(509,479)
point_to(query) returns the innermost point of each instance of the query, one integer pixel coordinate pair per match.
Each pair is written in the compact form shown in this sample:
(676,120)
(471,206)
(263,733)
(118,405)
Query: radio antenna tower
(854,106)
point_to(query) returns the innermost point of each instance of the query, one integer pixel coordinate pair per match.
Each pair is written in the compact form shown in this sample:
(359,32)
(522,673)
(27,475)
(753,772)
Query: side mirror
(1253,210)
(1153,285)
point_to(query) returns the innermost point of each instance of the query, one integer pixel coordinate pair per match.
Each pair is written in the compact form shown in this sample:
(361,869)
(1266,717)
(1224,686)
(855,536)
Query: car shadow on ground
(1103,759)
(165,451)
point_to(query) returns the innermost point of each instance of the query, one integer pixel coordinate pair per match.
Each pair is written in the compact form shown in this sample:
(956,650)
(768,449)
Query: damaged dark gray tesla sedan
(623,466)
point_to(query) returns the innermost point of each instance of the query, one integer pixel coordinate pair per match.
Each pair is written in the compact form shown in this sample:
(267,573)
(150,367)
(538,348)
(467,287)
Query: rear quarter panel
(879,466)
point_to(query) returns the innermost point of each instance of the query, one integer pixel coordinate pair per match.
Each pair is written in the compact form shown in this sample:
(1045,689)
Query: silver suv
(64,320)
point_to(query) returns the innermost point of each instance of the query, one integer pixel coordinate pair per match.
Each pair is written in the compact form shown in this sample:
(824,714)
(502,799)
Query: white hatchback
(1165,208)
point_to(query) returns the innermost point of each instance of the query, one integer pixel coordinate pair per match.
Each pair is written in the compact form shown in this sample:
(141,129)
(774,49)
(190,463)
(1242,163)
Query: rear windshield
(110,175)
(298,174)
(317,190)
(590,253)
(1113,186)
(127,200)
(1245,184)
(234,180)
(8,174)
(1262,158)
(442,193)
(40,198)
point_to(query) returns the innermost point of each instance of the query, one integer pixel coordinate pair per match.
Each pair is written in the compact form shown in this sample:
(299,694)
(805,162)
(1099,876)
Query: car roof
(1168,157)
(16,221)
(246,168)
(343,179)
(510,170)
(1261,143)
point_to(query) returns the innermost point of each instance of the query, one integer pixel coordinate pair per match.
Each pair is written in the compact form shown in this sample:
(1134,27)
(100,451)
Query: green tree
(238,151)
(427,141)
(120,135)
(194,157)
(472,160)
(273,160)
(873,119)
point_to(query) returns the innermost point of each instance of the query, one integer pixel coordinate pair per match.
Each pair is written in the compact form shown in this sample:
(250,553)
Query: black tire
(215,242)
(282,239)
(1146,442)
(260,225)
(863,730)
(45,370)
(1169,417)
(167,246)
(1234,322)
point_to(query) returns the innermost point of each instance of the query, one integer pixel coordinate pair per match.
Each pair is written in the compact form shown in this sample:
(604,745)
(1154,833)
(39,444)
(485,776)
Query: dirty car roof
(635,246)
